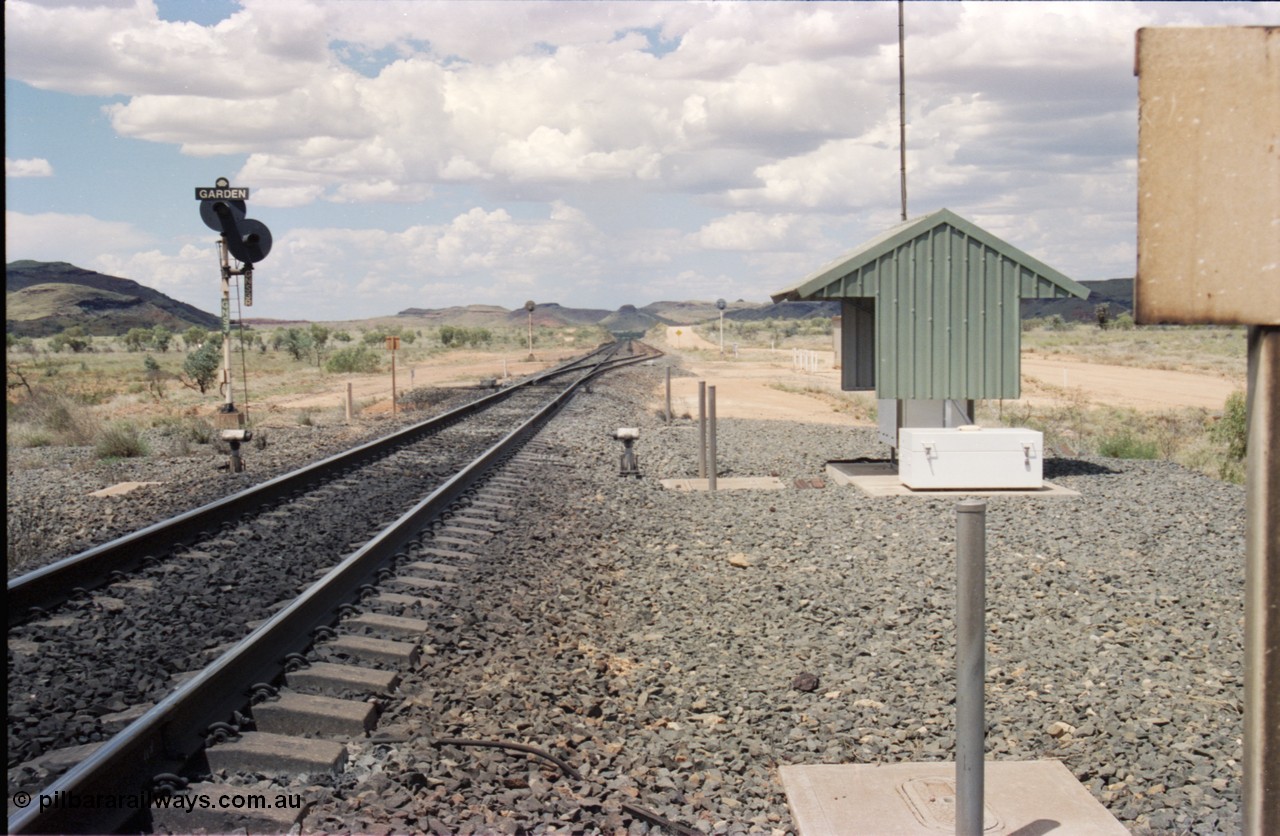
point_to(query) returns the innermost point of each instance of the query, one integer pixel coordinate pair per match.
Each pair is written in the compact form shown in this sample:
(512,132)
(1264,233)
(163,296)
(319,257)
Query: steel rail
(172,732)
(53,584)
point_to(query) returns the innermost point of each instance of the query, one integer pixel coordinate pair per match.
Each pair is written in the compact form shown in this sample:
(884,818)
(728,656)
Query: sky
(592,154)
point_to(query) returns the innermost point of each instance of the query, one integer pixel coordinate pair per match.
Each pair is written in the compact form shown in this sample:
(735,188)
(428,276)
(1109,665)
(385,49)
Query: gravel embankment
(655,639)
(52,514)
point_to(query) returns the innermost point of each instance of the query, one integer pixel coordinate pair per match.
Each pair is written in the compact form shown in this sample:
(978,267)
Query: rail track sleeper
(134,585)
(500,510)
(414,582)
(449,554)
(57,761)
(479,534)
(333,680)
(231,810)
(396,626)
(478,522)
(456,541)
(271,754)
(300,714)
(503,492)
(401,602)
(449,571)
(214,652)
(371,649)
(58,622)
(118,720)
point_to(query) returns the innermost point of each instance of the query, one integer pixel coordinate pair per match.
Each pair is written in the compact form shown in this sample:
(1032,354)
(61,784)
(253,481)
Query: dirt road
(1144,389)
(763,383)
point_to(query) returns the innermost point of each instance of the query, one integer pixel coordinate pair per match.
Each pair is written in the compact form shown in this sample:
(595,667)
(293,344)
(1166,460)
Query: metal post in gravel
(1261,793)
(711,420)
(702,429)
(971,580)
(668,394)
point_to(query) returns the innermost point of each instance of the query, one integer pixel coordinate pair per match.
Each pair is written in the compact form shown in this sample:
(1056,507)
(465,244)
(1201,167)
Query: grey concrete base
(881,479)
(731,483)
(1022,798)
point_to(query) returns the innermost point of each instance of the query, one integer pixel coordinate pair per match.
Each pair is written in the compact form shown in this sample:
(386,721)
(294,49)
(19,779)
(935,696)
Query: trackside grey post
(668,394)
(711,420)
(702,429)
(971,663)
(1261,794)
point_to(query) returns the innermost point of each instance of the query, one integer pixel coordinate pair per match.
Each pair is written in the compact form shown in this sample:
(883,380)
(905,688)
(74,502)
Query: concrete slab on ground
(1023,797)
(122,488)
(881,479)
(730,483)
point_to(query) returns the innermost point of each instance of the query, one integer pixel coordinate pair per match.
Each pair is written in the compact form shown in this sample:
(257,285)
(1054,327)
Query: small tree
(161,337)
(194,337)
(201,366)
(1103,314)
(295,341)
(73,338)
(360,359)
(137,338)
(155,376)
(319,337)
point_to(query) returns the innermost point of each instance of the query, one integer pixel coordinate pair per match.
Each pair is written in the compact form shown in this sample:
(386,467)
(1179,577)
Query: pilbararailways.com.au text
(63,800)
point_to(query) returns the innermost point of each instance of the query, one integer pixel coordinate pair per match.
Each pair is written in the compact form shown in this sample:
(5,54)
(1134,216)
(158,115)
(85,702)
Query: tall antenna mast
(902,110)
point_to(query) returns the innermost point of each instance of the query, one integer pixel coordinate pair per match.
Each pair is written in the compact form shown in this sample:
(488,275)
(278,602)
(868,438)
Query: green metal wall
(947,316)
(946,297)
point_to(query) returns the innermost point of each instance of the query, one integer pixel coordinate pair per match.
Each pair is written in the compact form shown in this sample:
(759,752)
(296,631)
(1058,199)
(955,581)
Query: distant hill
(45,297)
(1116,293)
(628,321)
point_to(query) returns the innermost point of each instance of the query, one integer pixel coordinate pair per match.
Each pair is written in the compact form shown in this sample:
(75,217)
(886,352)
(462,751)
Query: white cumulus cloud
(35,167)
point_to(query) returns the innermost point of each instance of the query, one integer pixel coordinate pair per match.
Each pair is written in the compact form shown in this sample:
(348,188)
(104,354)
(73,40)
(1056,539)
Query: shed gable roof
(858,273)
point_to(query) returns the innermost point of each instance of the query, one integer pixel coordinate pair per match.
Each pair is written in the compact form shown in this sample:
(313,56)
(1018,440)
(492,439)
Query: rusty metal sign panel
(1208,176)
(393,343)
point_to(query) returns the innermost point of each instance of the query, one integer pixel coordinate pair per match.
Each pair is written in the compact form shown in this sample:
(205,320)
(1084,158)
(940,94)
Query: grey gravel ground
(657,640)
(52,514)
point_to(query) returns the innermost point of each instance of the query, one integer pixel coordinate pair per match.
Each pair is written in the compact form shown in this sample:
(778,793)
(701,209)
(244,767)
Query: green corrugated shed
(931,309)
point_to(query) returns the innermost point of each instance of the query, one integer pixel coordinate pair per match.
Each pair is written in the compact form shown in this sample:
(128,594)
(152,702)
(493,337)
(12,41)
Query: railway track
(331,571)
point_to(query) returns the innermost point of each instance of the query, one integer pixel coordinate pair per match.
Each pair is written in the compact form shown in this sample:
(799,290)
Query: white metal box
(970,457)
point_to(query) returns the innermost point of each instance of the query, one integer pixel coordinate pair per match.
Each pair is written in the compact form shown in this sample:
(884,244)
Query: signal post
(222,208)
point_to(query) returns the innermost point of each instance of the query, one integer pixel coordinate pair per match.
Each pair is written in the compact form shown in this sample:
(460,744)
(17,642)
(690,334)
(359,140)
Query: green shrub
(120,441)
(360,359)
(33,438)
(1125,445)
(52,418)
(1232,430)
(203,364)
